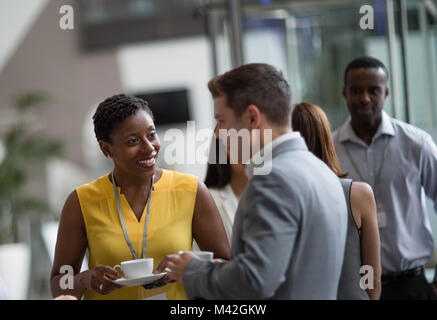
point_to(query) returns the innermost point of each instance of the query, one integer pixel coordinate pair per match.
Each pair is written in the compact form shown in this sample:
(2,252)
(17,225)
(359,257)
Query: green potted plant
(24,148)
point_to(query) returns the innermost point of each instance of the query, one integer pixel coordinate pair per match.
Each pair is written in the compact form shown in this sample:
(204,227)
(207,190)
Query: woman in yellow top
(164,207)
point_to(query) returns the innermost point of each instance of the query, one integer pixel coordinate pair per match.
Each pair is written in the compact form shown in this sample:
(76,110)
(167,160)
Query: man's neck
(276,133)
(267,139)
(279,132)
(365,131)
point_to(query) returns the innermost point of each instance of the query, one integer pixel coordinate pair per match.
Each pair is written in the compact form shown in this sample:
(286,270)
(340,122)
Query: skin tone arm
(208,229)
(70,250)
(364,212)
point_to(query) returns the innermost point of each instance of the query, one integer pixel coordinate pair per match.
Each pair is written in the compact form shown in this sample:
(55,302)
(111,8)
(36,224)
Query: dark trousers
(416,288)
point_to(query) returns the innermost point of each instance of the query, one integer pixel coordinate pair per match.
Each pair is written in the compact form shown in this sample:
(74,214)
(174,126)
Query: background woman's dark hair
(218,175)
(313,124)
(113,111)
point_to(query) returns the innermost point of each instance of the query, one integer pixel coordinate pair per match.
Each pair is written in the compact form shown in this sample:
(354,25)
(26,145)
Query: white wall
(16,18)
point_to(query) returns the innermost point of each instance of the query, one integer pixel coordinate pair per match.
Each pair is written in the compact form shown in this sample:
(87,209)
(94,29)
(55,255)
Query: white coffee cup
(204,255)
(136,268)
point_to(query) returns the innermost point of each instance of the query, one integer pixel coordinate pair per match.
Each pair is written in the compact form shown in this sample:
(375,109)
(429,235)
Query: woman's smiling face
(134,145)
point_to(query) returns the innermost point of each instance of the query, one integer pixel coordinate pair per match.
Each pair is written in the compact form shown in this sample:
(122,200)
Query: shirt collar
(267,151)
(385,128)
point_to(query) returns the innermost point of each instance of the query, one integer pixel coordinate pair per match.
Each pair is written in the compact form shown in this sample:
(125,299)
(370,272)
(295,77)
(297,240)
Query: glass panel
(422,57)
(220,37)
(422,61)
(312,42)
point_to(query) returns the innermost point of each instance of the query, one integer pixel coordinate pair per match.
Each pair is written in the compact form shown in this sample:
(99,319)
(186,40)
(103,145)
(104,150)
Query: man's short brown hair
(258,84)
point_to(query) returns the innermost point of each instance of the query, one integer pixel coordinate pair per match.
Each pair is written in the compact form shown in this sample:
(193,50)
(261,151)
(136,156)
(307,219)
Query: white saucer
(133,282)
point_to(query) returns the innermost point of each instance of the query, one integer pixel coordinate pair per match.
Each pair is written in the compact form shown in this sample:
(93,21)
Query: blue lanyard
(123,225)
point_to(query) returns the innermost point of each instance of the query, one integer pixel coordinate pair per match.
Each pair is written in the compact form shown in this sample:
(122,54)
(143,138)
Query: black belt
(407,274)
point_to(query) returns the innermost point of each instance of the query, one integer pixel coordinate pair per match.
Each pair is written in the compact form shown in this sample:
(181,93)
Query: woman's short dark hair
(259,84)
(113,111)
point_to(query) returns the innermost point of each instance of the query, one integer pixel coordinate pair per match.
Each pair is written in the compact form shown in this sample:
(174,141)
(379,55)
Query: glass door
(421,45)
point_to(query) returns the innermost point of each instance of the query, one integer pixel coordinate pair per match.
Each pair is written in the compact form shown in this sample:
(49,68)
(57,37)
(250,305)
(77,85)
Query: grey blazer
(288,237)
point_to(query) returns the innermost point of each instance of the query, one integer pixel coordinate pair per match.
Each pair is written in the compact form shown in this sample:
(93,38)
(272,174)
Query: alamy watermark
(66,282)
(237,146)
(66,22)
(367,280)
(367,21)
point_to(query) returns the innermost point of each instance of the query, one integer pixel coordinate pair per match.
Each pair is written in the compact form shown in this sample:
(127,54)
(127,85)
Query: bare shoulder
(202,189)
(361,190)
(362,197)
(204,200)
(72,212)
(72,202)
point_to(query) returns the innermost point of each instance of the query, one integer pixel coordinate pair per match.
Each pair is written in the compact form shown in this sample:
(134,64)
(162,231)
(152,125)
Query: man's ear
(106,148)
(254,116)
(387,92)
(344,92)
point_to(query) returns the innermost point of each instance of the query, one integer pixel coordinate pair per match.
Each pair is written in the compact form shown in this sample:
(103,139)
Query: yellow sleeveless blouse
(169,230)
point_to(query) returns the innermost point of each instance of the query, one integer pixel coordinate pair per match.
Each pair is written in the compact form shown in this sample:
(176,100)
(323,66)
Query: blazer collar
(288,142)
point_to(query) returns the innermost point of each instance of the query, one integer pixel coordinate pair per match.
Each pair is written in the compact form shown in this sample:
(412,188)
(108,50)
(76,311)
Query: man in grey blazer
(290,227)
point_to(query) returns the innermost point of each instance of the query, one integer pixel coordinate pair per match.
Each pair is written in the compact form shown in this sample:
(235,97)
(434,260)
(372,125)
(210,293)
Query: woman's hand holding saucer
(100,279)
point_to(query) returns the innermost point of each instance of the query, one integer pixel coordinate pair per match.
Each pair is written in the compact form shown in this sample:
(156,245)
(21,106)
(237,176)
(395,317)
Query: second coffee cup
(204,255)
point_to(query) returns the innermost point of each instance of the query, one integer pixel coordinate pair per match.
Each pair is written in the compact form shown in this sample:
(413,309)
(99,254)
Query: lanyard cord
(378,174)
(123,225)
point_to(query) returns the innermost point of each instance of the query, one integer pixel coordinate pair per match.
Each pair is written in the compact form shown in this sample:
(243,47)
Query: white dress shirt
(227,204)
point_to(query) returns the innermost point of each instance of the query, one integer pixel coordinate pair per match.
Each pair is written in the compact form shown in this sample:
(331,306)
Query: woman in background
(226,183)
(362,242)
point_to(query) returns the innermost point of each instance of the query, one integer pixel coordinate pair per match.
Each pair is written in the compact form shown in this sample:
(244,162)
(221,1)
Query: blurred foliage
(24,148)
(30,100)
